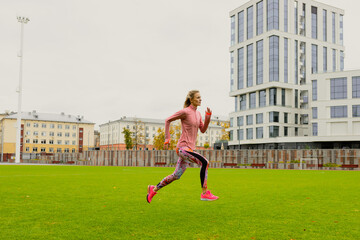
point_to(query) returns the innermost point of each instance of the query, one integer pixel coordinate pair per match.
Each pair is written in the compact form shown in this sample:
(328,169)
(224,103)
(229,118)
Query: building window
(286,59)
(285,131)
(356,87)
(252,100)
(272,96)
(296,118)
(341,29)
(240,82)
(324,25)
(74,135)
(51,134)
(285,15)
(296,98)
(27,149)
(303,23)
(338,111)
(35,149)
(67,142)
(43,141)
(283,97)
(333,28)
(28,133)
(314,58)
(73,150)
(314,113)
(296,63)
(250,23)
(232,26)
(262,98)
(356,110)
(242,102)
(338,87)
(236,103)
(43,125)
(52,125)
(273,131)
(249,65)
(259,18)
(35,141)
(259,118)
(314,90)
(249,119)
(272,14)
(274,59)
(314,129)
(59,134)
(28,124)
(74,127)
(58,150)
(286,117)
(231,122)
(240,134)
(325,59)
(259,132)
(232,71)
(36,133)
(73,142)
(43,134)
(66,150)
(43,150)
(67,126)
(59,126)
(59,142)
(296,131)
(51,150)
(273,116)
(51,141)
(231,133)
(249,133)
(27,141)
(67,134)
(240,121)
(341,60)
(241,26)
(334,59)
(296,16)
(314,22)
(259,62)
(36,125)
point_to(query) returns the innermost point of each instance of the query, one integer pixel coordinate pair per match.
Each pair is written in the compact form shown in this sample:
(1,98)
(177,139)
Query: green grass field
(73,202)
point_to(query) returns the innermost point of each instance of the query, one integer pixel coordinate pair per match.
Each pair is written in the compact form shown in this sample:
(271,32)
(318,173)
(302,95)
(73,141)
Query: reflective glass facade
(272,96)
(356,87)
(241,26)
(333,27)
(338,111)
(259,17)
(259,132)
(314,113)
(259,118)
(273,131)
(341,60)
(286,60)
(272,14)
(250,23)
(259,62)
(232,37)
(314,129)
(324,59)
(262,98)
(240,82)
(314,90)
(296,63)
(252,100)
(274,59)
(249,133)
(341,29)
(286,12)
(314,58)
(249,119)
(324,25)
(338,88)
(240,121)
(250,66)
(232,71)
(314,22)
(242,102)
(334,59)
(356,110)
(274,116)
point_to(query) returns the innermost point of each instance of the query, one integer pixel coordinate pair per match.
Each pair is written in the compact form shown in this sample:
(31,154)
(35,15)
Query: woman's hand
(208,111)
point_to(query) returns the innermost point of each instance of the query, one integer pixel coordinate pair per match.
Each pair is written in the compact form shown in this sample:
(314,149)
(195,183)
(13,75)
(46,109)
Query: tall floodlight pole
(22,21)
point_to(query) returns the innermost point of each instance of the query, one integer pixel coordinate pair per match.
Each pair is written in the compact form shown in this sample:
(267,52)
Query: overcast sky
(104,59)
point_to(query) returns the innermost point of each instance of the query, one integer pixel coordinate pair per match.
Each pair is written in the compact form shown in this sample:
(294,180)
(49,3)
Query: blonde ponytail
(189,97)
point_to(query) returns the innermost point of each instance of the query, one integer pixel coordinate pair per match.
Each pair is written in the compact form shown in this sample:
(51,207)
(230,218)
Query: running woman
(191,121)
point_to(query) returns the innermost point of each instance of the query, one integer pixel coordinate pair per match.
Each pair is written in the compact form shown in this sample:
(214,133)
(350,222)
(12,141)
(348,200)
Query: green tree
(206,145)
(128,139)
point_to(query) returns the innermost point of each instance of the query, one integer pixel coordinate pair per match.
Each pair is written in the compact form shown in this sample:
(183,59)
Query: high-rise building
(287,78)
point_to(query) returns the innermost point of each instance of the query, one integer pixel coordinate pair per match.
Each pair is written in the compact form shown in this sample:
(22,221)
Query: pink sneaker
(208,196)
(151,193)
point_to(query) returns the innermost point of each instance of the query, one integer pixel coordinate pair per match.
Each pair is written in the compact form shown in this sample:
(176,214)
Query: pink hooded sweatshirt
(190,123)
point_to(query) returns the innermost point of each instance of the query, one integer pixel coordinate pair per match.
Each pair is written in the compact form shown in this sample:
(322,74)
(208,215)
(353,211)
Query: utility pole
(22,20)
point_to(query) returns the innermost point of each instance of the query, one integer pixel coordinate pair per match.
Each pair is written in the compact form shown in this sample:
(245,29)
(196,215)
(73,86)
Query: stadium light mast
(22,21)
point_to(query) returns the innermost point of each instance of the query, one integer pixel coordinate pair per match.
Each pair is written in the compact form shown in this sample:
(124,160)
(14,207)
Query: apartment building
(111,136)
(282,53)
(46,133)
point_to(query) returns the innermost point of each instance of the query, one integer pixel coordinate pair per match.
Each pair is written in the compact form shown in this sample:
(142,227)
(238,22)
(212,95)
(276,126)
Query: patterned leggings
(187,156)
